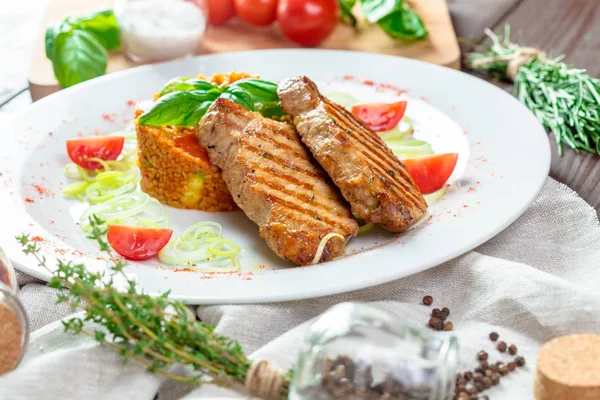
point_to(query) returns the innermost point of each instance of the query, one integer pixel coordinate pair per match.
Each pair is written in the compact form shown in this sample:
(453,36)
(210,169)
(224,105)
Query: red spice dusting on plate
(425,99)
(108,117)
(29,200)
(37,239)
(42,191)
(383,87)
(130,103)
(79,134)
(379,87)
(50,134)
(471,189)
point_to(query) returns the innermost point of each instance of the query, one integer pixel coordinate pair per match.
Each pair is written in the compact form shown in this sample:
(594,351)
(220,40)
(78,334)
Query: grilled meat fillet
(273,178)
(370,176)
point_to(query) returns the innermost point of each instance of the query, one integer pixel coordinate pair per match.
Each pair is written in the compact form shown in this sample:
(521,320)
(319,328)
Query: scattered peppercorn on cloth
(536,280)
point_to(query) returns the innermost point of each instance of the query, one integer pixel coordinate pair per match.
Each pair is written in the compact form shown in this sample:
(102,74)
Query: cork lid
(568,367)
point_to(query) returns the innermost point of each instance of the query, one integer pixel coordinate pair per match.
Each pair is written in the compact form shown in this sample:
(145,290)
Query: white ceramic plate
(503,163)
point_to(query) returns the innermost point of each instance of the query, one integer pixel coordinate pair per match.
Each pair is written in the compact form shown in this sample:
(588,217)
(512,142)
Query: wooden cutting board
(441,47)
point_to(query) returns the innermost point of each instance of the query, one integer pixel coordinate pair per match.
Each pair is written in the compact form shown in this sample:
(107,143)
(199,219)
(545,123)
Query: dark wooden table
(570,27)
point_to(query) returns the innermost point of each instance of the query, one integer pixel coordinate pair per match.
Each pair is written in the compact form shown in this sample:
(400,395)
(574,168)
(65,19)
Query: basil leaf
(261,96)
(179,109)
(375,10)
(54,29)
(103,26)
(188,84)
(396,18)
(77,56)
(405,25)
(347,17)
(239,96)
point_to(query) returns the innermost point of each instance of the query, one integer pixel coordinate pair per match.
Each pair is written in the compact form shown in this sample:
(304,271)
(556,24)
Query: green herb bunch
(565,100)
(183,101)
(395,17)
(154,331)
(78,47)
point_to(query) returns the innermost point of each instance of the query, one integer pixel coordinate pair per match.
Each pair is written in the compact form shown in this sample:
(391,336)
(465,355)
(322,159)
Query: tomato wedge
(432,171)
(137,242)
(104,147)
(380,116)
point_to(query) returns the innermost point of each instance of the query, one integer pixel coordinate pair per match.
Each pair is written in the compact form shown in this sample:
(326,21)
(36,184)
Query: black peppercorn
(493,367)
(468,375)
(479,370)
(484,397)
(484,364)
(479,386)
(501,347)
(446,311)
(482,356)
(512,350)
(503,370)
(433,321)
(495,379)
(489,372)
(494,336)
(427,300)
(448,325)
(520,361)
(487,382)
(512,366)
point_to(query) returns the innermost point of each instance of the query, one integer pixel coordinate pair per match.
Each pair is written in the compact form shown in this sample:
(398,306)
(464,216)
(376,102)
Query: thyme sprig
(154,331)
(564,99)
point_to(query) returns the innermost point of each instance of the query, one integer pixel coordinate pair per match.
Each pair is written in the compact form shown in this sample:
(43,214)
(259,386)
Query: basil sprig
(394,17)
(184,101)
(78,47)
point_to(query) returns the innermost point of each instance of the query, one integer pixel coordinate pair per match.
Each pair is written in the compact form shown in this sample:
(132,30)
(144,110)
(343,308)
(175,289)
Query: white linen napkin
(536,280)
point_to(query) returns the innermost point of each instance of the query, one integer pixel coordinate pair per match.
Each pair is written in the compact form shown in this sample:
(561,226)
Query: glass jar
(356,351)
(14,326)
(158,30)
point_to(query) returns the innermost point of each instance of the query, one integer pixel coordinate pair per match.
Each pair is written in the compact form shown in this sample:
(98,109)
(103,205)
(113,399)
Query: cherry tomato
(137,242)
(257,12)
(220,11)
(432,171)
(308,22)
(104,147)
(380,116)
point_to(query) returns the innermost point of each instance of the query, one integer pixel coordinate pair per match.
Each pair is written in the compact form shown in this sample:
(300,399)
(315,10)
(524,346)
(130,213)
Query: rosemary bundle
(154,331)
(565,100)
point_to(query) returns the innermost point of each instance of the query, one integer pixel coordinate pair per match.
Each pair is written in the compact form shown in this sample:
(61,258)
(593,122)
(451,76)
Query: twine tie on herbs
(515,60)
(264,380)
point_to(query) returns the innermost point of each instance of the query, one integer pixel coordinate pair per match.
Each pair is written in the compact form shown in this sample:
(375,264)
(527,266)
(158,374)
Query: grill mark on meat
(402,187)
(290,201)
(271,139)
(283,162)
